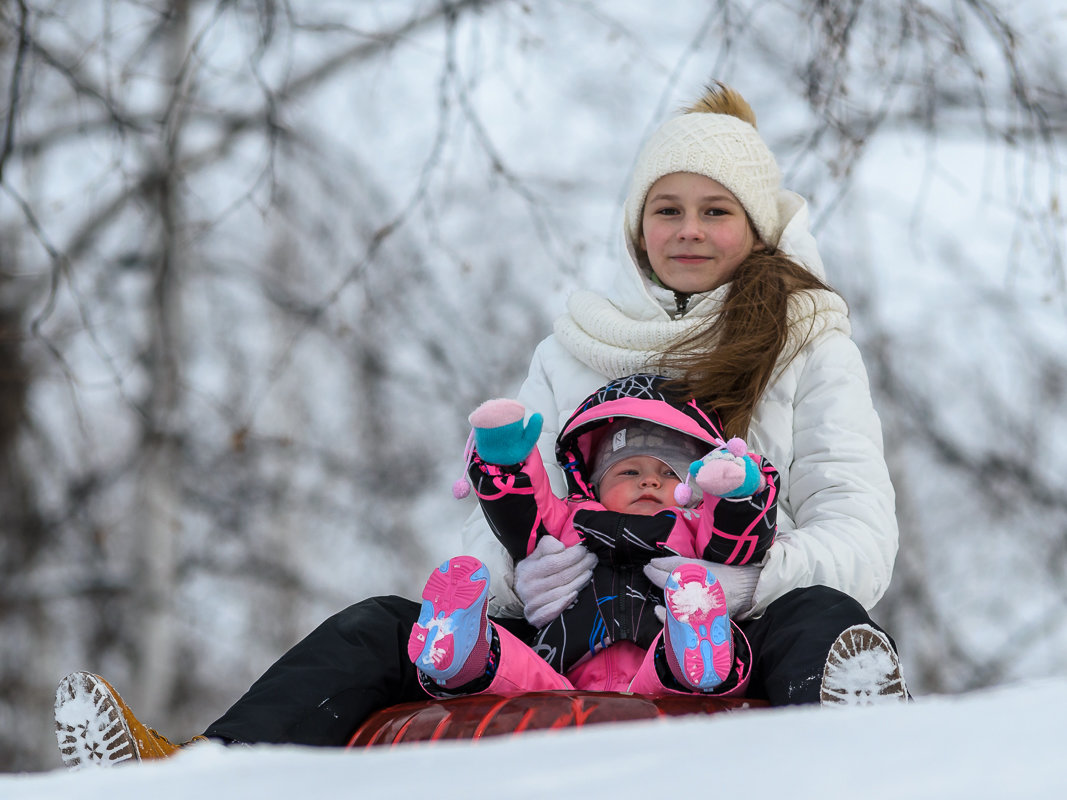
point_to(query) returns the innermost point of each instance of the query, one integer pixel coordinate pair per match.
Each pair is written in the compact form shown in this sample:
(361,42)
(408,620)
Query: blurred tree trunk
(157,525)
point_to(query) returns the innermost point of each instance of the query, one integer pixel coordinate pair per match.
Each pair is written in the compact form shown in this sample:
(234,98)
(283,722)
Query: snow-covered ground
(1002,743)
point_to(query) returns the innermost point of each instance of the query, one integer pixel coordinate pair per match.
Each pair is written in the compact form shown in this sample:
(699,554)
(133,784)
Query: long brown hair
(728,363)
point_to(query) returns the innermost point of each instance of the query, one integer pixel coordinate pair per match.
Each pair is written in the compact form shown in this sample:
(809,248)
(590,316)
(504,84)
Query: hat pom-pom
(737,447)
(461,488)
(683,494)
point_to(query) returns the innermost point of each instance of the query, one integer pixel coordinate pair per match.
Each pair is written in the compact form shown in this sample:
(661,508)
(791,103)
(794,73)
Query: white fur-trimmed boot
(862,669)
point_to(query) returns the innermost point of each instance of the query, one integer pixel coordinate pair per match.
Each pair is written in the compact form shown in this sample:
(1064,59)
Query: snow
(853,681)
(439,628)
(691,598)
(863,668)
(75,710)
(1004,742)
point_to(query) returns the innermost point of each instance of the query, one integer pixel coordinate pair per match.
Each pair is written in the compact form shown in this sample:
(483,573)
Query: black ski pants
(356,662)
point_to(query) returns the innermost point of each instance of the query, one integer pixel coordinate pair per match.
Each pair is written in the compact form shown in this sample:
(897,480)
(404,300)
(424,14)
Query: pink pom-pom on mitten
(737,447)
(683,495)
(495,413)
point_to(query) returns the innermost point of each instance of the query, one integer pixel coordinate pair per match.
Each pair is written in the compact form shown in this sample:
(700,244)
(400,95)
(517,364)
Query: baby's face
(638,485)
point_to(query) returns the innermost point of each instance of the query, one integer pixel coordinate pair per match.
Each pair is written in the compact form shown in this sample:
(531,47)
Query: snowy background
(258,261)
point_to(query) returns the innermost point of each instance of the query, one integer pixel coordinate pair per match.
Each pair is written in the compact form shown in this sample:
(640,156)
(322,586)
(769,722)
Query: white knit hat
(719,146)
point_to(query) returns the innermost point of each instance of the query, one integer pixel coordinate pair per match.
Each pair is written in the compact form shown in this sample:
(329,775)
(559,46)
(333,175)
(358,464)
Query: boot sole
(450,619)
(862,670)
(90,728)
(700,637)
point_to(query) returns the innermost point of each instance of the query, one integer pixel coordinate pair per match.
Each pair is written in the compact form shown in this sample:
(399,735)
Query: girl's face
(638,485)
(694,232)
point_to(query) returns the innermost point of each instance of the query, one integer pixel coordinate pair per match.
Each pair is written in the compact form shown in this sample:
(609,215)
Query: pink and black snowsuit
(618,604)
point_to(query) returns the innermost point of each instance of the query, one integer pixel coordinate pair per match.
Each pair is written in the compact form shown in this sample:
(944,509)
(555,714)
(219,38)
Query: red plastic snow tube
(476,716)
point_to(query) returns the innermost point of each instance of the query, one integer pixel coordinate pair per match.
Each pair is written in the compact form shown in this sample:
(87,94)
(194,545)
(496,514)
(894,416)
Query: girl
(724,291)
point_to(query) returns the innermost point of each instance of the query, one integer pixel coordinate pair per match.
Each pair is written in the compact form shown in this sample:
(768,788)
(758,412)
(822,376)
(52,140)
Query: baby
(631,453)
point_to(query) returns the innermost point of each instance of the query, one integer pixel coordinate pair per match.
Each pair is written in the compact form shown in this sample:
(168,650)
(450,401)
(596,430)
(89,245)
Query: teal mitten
(500,436)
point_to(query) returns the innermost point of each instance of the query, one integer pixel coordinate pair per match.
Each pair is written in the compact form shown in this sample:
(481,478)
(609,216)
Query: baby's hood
(640,396)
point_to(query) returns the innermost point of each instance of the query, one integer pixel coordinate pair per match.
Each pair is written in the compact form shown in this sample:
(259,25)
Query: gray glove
(738,582)
(548,580)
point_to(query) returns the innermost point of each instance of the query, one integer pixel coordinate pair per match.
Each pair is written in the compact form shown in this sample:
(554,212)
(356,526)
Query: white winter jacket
(815,423)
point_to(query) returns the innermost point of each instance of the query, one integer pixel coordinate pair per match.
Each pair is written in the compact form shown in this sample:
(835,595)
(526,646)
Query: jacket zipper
(681,303)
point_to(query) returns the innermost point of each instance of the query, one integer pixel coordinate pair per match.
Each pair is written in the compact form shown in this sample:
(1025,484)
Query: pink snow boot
(450,642)
(697,634)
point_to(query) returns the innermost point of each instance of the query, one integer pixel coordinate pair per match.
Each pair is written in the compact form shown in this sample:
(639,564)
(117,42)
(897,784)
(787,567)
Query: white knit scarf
(604,338)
